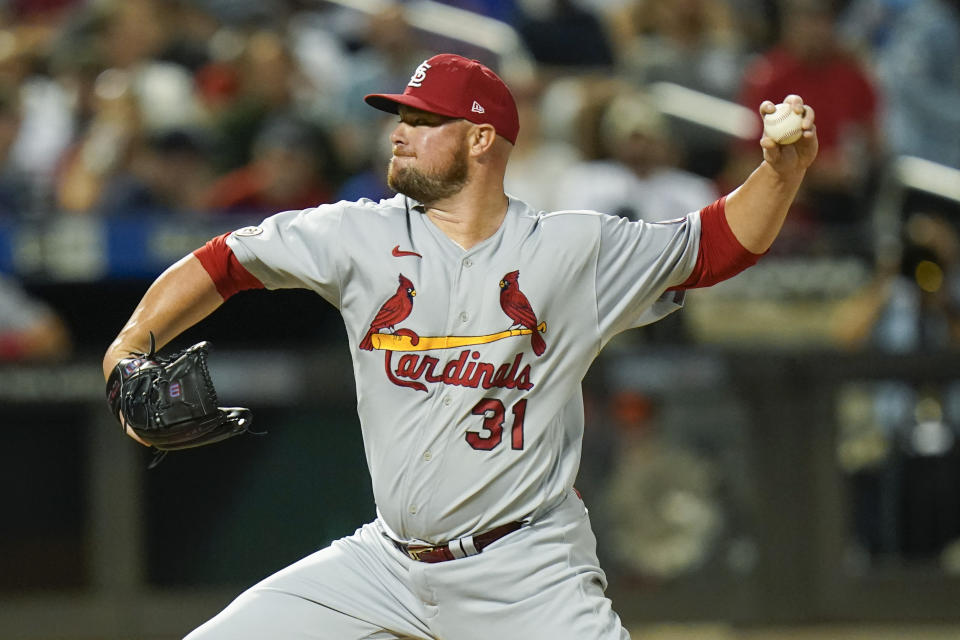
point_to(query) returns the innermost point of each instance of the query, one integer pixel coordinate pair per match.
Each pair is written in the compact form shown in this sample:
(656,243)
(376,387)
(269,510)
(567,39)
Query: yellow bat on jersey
(405,342)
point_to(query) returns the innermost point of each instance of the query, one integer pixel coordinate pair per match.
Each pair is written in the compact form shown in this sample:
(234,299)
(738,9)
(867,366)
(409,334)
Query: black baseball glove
(170,402)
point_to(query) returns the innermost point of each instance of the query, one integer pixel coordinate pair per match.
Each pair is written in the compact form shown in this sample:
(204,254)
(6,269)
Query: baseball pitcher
(472,319)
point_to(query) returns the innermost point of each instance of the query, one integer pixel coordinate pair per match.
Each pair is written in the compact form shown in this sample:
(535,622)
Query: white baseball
(783,125)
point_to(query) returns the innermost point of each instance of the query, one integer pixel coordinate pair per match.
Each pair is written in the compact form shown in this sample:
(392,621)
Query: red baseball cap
(456,87)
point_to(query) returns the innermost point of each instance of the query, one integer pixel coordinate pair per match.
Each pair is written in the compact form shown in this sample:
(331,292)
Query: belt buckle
(415,552)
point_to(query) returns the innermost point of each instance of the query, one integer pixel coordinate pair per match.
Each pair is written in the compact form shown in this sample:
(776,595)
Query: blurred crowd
(125,108)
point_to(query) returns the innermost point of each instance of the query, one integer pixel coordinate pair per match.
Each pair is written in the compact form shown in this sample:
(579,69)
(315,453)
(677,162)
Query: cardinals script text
(463,371)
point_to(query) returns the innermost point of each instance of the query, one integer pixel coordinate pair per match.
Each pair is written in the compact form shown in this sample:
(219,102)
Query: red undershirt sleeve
(228,275)
(720,255)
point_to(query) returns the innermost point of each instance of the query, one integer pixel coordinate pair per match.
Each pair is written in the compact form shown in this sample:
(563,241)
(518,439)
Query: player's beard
(429,188)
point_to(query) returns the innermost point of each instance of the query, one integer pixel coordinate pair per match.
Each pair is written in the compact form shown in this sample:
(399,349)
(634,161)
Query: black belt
(459,548)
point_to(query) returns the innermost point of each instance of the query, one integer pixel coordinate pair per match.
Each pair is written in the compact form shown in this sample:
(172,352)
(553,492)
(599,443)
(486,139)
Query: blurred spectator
(560,33)
(290,160)
(188,40)
(29,329)
(135,32)
(542,152)
(757,21)
(372,182)
(45,126)
(14,187)
(376,52)
(28,10)
(694,43)
(865,25)
(661,511)
(103,147)
(136,94)
(266,77)
(914,303)
(167,173)
(636,175)
(919,70)
(809,61)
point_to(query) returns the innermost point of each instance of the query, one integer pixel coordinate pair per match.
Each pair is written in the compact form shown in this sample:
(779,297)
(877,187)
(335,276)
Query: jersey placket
(418,487)
(447,411)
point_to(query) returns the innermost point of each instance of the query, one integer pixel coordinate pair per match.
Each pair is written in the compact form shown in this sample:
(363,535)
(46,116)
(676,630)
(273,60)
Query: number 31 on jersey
(491,433)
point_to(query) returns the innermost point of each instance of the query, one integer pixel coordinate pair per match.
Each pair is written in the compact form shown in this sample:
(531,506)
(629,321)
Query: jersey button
(447,401)
(427,455)
(464,316)
(413,509)
(467,262)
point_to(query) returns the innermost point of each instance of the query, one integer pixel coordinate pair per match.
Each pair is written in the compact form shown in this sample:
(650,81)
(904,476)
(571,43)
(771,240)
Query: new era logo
(477,107)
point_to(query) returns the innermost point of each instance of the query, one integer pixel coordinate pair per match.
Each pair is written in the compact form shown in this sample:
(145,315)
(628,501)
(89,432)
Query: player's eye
(423,120)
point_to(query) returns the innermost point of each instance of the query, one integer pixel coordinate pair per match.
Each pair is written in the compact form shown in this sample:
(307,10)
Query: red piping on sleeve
(720,255)
(228,275)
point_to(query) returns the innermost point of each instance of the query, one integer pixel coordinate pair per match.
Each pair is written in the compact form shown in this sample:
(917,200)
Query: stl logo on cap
(419,75)
(458,88)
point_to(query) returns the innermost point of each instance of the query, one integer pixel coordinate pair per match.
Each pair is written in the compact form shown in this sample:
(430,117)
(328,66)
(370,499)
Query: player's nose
(398,135)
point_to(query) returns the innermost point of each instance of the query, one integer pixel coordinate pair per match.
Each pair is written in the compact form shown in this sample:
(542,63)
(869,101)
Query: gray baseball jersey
(468,363)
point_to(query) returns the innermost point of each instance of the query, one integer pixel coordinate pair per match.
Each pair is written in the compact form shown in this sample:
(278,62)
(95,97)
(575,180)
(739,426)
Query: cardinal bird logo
(518,308)
(394,311)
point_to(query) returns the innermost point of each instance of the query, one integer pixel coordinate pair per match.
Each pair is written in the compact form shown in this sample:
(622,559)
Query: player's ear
(481,139)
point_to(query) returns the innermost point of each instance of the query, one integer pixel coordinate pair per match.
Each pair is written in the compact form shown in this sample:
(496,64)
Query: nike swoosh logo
(399,254)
